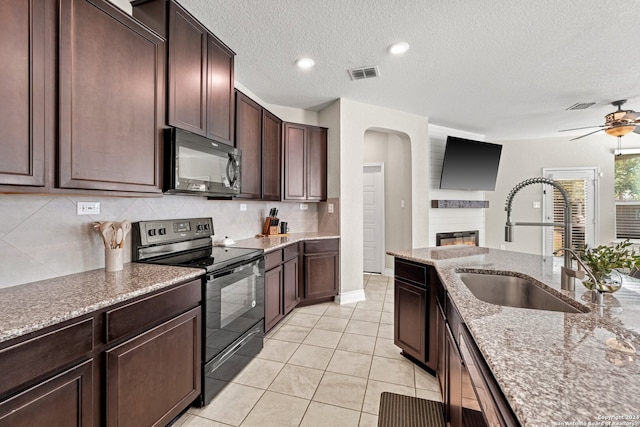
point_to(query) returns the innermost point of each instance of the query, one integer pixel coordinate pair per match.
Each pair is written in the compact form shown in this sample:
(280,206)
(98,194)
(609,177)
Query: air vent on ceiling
(581,105)
(364,72)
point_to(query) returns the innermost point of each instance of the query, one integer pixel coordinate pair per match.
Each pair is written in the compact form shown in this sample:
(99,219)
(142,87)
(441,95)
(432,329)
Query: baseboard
(350,297)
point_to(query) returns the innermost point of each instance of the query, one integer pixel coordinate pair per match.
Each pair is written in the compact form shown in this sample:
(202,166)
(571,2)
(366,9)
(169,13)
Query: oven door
(233,304)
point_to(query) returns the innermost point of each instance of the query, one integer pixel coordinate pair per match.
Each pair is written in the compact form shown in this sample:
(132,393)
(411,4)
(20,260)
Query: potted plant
(607,262)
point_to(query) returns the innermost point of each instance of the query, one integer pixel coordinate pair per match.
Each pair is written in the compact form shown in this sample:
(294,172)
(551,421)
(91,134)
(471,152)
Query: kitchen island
(552,367)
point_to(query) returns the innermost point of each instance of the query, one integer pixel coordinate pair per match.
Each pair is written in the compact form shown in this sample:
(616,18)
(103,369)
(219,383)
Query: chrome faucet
(568,276)
(596,294)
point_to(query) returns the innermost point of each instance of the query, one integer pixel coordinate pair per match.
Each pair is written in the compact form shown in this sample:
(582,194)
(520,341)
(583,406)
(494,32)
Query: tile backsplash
(43,237)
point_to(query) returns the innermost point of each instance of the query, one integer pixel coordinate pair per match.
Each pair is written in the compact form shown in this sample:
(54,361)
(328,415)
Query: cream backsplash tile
(43,237)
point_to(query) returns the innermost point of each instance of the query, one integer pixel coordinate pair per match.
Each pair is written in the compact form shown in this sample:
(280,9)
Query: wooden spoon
(126,227)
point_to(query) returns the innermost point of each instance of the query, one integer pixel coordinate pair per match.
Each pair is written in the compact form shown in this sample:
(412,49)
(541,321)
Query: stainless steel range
(232,294)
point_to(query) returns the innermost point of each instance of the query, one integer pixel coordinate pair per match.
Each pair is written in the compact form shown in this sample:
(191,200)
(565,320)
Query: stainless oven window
(198,167)
(234,304)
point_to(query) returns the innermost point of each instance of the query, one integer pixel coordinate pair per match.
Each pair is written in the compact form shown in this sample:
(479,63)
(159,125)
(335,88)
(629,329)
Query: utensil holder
(113,259)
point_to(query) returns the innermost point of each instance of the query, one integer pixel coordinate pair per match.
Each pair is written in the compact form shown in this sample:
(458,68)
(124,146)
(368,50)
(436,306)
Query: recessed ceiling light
(305,63)
(398,48)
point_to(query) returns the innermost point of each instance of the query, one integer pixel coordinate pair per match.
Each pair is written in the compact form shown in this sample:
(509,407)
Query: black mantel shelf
(458,204)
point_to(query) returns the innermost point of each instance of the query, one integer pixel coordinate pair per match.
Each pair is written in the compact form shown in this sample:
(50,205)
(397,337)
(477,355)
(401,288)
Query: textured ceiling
(506,69)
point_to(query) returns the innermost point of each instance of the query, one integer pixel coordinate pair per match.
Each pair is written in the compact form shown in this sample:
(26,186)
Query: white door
(373,217)
(581,186)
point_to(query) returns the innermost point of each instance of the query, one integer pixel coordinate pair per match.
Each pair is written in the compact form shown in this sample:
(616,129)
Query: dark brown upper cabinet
(271,156)
(200,84)
(23,51)
(258,135)
(111,99)
(305,163)
(249,140)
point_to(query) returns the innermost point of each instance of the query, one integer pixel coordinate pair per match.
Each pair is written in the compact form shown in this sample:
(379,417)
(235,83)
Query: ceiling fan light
(619,130)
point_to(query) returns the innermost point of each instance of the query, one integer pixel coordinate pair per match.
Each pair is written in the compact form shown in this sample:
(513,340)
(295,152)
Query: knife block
(270,226)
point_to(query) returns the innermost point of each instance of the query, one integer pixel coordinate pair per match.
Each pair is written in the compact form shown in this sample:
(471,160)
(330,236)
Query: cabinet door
(320,275)
(64,400)
(22,110)
(220,98)
(111,99)
(249,140)
(441,367)
(188,44)
(294,176)
(273,310)
(290,286)
(454,408)
(316,164)
(271,157)
(409,319)
(151,378)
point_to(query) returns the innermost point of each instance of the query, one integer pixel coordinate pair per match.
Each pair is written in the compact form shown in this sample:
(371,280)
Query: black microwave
(196,165)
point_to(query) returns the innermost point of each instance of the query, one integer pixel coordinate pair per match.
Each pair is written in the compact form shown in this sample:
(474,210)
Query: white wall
(525,159)
(448,220)
(395,152)
(355,119)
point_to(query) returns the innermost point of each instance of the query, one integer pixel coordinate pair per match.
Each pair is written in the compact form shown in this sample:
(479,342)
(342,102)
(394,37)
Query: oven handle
(229,269)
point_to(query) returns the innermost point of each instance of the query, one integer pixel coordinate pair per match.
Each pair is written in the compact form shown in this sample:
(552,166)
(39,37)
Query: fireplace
(469,238)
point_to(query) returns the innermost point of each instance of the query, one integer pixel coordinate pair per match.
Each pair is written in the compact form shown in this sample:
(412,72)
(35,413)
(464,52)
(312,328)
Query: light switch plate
(88,208)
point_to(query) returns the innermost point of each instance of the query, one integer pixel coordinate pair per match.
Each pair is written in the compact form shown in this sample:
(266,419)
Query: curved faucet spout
(508,231)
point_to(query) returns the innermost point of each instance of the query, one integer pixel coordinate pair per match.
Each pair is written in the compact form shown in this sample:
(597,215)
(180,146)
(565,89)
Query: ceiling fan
(619,123)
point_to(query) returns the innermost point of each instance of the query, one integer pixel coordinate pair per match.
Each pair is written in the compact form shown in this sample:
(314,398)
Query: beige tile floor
(323,365)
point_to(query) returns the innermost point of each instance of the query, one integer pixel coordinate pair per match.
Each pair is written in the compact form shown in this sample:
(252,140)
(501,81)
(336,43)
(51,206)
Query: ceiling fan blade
(587,134)
(586,127)
(637,129)
(631,115)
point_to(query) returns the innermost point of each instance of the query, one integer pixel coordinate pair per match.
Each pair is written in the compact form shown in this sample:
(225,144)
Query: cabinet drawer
(272,259)
(33,358)
(317,246)
(151,310)
(411,272)
(290,252)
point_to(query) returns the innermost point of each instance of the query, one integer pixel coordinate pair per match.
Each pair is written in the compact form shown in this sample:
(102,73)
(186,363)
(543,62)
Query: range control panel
(174,230)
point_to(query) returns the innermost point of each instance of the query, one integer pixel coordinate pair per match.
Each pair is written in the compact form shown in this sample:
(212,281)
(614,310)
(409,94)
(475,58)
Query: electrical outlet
(88,208)
(536,204)
(304,207)
(330,207)
(402,203)
(243,206)
(502,247)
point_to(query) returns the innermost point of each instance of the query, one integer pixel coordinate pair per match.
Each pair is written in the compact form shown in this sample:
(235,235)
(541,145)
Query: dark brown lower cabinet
(290,294)
(409,319)
(64,400)
(281,284)
(152,377)
(321,271)
(273,307)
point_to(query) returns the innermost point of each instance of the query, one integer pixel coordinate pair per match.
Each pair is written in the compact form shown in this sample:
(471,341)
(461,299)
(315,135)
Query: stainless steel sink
(514,291)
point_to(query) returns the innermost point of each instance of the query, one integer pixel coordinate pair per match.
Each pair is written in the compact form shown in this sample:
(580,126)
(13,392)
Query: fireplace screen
(470,238)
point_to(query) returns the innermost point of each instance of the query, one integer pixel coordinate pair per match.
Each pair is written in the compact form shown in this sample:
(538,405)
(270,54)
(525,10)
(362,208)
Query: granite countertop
(269,244)
(33,306)
(553,367)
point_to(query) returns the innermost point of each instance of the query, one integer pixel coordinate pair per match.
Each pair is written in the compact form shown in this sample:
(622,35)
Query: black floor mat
(397,410)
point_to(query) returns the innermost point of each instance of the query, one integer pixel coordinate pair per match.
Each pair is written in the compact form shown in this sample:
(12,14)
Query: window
(580,183)
(627,194)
